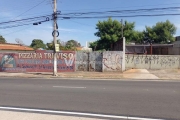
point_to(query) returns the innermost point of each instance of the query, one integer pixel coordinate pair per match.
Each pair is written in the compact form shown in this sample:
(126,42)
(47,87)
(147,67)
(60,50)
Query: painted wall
(68,61)
(82,61)
(40,61)
(152,62)
(95,63)
(112,61)
(89,61)
(99,61)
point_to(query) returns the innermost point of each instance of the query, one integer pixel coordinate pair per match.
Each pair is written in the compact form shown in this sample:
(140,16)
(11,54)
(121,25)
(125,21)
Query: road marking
(76,113)
(68,87)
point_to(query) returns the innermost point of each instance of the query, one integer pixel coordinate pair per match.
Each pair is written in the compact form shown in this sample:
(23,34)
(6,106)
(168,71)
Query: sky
(81,30)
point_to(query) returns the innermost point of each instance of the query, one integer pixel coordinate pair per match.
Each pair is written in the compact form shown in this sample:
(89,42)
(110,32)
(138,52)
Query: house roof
(79,48)
(158,45)
(9,46)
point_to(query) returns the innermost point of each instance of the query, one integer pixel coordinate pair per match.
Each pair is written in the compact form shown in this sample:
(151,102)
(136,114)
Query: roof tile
(14,47)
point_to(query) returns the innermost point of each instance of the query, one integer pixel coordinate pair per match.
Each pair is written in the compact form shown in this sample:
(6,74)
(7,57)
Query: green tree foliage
(37,43)
(2,39)
(110,31)
(128,31)
(162,32)
(93,45)
(73,43)
(138,37)
(50,46)
(70,46)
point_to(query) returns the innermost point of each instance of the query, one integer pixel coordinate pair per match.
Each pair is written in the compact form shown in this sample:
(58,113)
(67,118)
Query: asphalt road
(152,99)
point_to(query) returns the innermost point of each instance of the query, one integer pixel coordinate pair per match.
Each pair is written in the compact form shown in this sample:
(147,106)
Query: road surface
(144,99)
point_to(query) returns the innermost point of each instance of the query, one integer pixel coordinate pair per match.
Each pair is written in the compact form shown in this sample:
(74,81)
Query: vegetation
(38,43)
(70,45)
(2,39)
(109,32)
(161,33)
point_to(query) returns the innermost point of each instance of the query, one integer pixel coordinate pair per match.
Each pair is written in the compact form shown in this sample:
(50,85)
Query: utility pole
(122,28)
(54,36)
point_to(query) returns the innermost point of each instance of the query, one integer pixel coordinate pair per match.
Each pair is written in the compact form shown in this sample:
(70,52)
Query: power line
(6,27)
(31,15)
(31,8)
(91,17)
(95,17)
(51,2)
(16,31)
(17,7)
(123,11)
(20,20)
(124,7)
(100,15)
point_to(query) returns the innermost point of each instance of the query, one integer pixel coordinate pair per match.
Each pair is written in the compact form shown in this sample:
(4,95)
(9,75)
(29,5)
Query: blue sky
(81,30)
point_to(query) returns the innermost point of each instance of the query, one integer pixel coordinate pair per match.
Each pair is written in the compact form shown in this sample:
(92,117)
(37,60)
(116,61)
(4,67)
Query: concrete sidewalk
(136,74)
(9,115)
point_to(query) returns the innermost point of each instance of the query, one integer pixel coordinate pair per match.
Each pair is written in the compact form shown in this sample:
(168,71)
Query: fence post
(123,56)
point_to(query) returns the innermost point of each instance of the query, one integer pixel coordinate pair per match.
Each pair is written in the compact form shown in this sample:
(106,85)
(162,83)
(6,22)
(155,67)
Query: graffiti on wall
(89,61)
(37,62)
(82,60)
(155,61)
(95,61)
(112,60)
(9,63)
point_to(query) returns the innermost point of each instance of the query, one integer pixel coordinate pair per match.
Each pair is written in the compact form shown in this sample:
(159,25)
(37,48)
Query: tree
(128,31)
(93,45)
(50,46)
(110,31)
(73,43)
(161,33)
(2,39)
(138,37)
(37,43)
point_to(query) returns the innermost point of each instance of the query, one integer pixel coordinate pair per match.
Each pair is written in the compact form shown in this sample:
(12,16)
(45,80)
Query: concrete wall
(40,61)
(67,61)
(95,61)
(112,61)
(99,61)
(152,62)
(82,61)
(89,61)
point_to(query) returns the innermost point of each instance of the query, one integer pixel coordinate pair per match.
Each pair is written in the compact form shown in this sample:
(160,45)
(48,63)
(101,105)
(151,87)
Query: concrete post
(54,37)
(123,56)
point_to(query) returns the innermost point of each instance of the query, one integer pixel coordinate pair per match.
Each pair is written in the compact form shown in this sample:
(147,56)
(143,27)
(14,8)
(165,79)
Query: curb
(86,78)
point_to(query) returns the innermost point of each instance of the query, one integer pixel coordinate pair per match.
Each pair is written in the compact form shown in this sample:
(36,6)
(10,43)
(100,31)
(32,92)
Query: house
(175,50)
(157,49)
(84,49)
(154,49)
(10,47)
